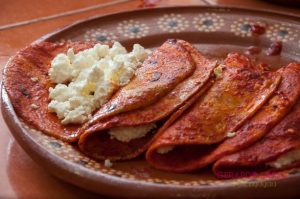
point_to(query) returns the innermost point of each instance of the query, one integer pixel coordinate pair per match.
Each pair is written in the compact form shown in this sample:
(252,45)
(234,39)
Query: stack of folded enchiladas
(181,109)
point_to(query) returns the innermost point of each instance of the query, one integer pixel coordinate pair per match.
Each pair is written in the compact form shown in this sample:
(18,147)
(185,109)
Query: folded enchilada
(233,99)
(27,83)
(278,149)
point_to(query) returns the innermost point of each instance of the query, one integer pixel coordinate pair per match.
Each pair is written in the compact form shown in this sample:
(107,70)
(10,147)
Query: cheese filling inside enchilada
(285,159)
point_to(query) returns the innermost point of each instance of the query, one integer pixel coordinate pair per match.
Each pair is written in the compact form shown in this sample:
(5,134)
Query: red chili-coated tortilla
(283,138)
(96,142)
(34,62)
(230,102)
(169,65)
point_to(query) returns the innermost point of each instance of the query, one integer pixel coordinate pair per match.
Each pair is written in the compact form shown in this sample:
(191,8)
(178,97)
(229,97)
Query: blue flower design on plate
(99,35)
(242,27)
(172,23)
(208,22)
(284,33)
(246,27)
(55,144)
(101,38)
(132,29)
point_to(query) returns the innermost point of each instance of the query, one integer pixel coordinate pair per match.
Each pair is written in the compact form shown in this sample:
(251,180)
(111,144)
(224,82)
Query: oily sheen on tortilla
(268,116)
(239,93)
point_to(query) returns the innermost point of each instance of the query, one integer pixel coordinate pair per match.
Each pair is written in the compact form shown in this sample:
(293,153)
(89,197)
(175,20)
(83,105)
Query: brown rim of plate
(141,10)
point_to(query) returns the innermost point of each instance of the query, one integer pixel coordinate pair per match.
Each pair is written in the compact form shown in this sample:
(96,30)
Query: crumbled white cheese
(34,79)
(87,80)
(34,106)
(165,149)
(126,134)
(231,134)
(108,163)
(218,71)
(61,69)
(285,159)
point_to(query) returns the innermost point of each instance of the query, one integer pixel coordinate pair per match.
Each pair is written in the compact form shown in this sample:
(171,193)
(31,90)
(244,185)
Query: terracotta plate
(215,31)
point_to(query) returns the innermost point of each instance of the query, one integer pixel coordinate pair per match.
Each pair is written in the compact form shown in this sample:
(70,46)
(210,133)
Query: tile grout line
(67,13)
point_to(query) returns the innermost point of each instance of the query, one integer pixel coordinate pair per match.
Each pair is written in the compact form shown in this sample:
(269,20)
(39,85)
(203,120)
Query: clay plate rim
(212,8)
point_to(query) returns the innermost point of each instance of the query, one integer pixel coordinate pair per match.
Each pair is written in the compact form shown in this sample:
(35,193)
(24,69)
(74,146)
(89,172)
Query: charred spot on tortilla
(24,91)
(153,62)
(155,76)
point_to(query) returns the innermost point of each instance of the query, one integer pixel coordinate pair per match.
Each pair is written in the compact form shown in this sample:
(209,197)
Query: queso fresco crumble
(87,80)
